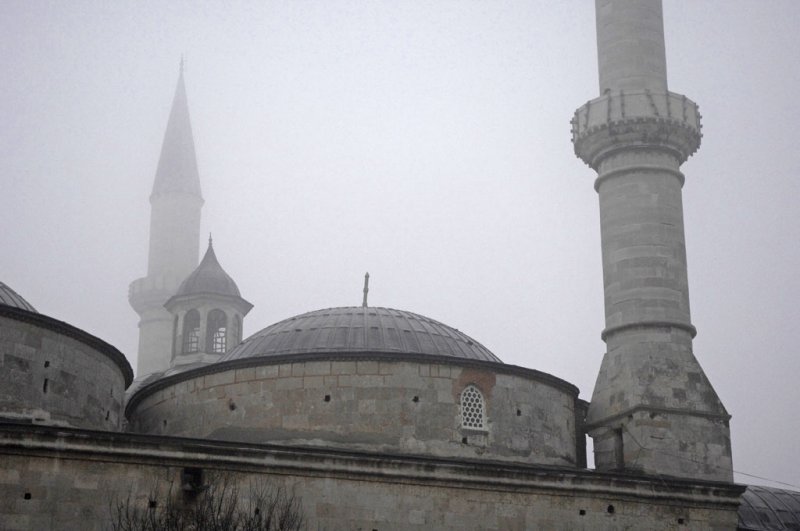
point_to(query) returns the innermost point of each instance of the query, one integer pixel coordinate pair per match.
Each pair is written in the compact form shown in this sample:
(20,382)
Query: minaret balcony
(623,120)
(152,291)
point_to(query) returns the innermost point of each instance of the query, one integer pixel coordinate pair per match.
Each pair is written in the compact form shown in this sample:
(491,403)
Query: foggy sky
(425,142)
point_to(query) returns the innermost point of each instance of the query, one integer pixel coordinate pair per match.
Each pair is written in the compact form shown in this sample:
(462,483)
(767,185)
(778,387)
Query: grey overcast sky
(427,142)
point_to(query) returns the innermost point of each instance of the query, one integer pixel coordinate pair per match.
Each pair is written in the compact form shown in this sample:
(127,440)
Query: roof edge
(246,305)
(54,325)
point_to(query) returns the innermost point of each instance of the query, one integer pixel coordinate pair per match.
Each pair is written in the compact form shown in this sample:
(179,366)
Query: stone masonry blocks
(402,406)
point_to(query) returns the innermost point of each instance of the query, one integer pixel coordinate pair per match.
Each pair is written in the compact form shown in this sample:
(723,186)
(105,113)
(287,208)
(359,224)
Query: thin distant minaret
(653,410)
(175,202)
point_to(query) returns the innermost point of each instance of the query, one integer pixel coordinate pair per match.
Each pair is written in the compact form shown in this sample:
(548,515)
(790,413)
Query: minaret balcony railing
(636,119)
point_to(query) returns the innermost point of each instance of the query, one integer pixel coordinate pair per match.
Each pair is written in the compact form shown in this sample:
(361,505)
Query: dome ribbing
(208,278)
(360,329)
(9,297)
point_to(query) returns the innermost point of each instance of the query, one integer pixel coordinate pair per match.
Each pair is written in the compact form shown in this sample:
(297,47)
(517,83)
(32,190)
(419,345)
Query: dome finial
(366,289)
(182,66)
(210,241)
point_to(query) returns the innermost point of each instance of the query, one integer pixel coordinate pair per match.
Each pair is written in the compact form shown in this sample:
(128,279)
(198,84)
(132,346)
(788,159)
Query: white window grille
(472,409)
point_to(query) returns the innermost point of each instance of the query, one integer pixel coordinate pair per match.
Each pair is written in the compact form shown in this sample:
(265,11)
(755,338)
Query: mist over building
(385,418)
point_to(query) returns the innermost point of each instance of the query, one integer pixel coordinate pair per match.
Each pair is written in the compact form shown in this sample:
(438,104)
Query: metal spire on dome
(366,289)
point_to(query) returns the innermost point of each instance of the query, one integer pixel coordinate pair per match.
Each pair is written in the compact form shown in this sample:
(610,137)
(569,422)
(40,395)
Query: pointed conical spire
(177,165)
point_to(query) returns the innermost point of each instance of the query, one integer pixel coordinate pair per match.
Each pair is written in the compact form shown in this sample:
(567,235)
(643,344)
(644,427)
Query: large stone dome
(360,329)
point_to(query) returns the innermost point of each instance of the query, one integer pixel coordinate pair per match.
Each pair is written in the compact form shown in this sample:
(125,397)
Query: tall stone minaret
(653,410)
(174,237)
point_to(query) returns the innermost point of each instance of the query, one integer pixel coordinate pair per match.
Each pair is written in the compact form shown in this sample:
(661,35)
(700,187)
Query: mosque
(380,418)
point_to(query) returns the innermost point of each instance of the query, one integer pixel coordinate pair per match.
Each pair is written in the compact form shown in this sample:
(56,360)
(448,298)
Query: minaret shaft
(176,202)
(644,251)
(630,46)
(653,410)
(174,235)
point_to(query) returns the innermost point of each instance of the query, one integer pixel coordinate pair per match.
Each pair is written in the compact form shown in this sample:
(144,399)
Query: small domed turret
(208,311)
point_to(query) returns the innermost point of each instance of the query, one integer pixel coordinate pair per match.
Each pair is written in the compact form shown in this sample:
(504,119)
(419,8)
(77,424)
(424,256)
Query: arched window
(472,409)
(191,332)
(216,332)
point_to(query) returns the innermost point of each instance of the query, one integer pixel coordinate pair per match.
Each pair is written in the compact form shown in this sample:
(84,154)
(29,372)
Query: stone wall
(645,443)
(378,405)
(69,479)
(51,372)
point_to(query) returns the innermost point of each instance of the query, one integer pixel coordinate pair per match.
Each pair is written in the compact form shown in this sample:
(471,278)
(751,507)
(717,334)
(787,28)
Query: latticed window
(217,331)
(472,408)
(191,332)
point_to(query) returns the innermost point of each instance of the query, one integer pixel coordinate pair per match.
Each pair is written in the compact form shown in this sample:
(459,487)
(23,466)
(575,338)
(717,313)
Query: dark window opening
(46,364)
(610,509)
(327,398)
(192,479)
(519,412)
(191,332)
(415,399)
(27,496)
(44,385)
(217,332)
(582,512)
(152,504)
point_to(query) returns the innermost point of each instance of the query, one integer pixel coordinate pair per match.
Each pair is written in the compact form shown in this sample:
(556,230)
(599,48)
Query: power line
(658,450)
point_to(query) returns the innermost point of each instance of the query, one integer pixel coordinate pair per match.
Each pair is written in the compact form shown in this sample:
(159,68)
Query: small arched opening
(191,332)
(473,409)
(217,332)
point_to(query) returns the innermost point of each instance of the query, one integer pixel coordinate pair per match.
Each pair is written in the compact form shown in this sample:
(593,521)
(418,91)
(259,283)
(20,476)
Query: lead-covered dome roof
(208,278)
(9,297)
(767,508)
(360,329)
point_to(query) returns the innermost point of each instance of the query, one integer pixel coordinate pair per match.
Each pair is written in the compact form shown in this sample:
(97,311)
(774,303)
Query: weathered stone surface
(653,410)
(399,406)
(68,488)
(49,377)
